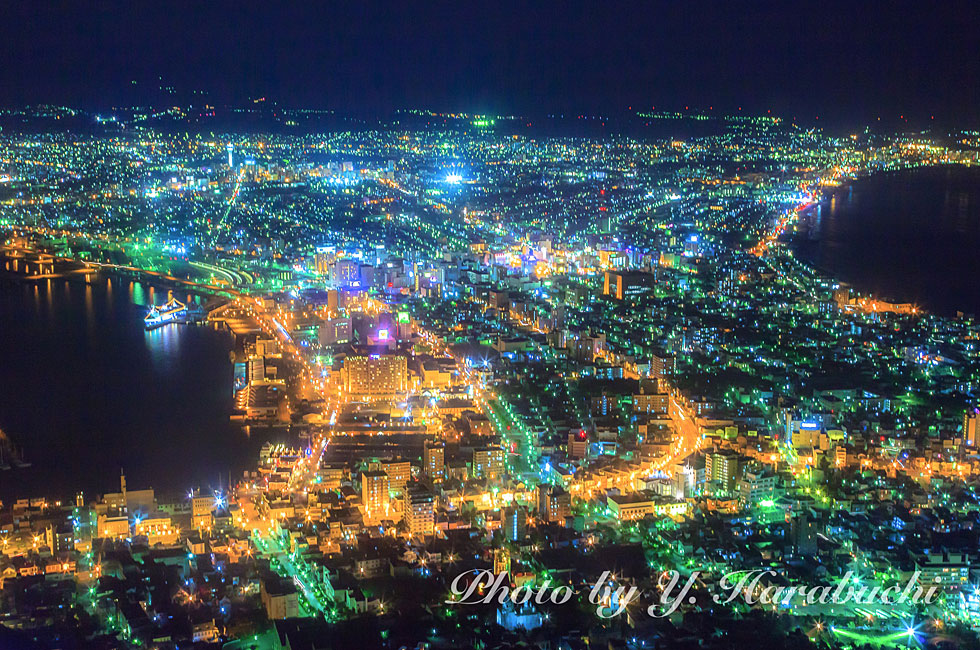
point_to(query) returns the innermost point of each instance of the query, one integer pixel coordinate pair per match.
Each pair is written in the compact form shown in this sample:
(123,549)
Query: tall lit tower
(374,494)
(122,485)
(231,150)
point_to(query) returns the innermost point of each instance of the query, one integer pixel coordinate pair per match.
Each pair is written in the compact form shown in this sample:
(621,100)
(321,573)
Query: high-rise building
(970,420)
(419,510)
(758,484)
(376,376)
(399,473)
(365,276)
(721,468)
(374,494)
(554,503)
(662,365)
(335,330)
(347,273)
(231,151)
(948,571)
(685,477)
(434,460)
(488,463)
(805,529)
(515,523)
(322,260)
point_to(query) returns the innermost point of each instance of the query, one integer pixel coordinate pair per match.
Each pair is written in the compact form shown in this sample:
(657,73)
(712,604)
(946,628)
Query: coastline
(807,250)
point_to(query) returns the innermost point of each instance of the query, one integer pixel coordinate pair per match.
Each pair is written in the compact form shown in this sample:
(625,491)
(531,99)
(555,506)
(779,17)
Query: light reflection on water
(164,344)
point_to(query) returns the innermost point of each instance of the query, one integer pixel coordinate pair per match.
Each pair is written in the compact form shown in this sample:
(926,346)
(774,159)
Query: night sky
(848,61)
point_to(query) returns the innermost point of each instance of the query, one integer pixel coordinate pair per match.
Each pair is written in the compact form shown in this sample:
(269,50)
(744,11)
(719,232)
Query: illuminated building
(501,561)
(158,528)
(434,460)
(365,275)
(130,501)
(692,246)
(515,523)
(948,571)
(662,365)
(377,376)
(279,598)
(60,538)
(267,348)
(627,285)
(346,273)
(970,420)
(587,348)
(231,151)
(399,472)
(374,494)
(113,527)
(630,507)
(419,511)
(478,423)
(335,330)
(612,259)
(804,529)
(256,368)
(554,504)
(201,508)
(651,403)
(721,468)
(322,260)
(499,300)
(260,400)
(757,485)
(578,444)
(382,338)
(807,436)
(488,463)
(435,375)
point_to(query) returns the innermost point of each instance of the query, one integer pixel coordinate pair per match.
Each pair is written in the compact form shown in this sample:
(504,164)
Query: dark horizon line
(916,119)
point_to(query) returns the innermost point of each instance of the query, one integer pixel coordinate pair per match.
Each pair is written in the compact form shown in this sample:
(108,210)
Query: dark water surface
(85,392)
(912,235)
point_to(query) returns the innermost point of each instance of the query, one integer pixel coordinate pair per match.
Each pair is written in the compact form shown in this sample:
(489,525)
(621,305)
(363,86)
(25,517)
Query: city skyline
(492,326)
(846,63)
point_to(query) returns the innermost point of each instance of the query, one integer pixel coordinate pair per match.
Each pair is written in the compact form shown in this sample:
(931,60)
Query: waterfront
(912,235)
(87,392)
